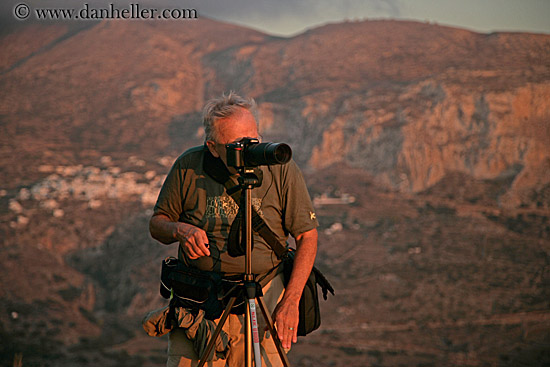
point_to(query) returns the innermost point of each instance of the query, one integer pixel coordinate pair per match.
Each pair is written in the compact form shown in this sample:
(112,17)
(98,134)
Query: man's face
(230,130)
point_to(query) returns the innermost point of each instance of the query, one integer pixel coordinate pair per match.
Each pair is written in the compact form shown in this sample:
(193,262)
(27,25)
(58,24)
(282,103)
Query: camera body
(249,152)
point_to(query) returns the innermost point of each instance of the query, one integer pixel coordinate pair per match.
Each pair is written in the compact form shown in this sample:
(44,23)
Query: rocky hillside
(426,146)
(408,102)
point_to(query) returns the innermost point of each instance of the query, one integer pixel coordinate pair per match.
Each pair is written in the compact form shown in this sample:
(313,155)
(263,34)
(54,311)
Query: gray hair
(223,107)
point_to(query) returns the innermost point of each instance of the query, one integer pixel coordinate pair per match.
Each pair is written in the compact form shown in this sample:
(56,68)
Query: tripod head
(250,177)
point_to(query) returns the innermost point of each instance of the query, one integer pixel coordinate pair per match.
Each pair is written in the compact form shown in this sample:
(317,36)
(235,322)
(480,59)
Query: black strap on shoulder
(214,167)
(258,224)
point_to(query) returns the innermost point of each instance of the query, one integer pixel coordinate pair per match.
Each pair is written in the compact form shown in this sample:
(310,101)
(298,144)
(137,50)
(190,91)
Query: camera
(249,152)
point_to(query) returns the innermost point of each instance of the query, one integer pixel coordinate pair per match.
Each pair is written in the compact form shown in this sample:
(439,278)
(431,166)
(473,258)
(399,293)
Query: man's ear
(212,148)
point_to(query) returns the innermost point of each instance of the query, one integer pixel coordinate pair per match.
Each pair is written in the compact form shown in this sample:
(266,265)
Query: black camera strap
(258,224)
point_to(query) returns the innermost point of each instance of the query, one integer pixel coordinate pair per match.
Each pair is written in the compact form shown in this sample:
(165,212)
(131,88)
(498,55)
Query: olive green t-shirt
(190,195)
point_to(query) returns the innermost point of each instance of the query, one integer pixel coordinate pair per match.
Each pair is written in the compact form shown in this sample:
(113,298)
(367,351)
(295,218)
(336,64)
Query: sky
(290,17)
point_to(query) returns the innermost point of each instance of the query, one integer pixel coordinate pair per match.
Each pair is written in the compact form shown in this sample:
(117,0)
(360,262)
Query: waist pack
(310,312)
(210,291)
(191,288)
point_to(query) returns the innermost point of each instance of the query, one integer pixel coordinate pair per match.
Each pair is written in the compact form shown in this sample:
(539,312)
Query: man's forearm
(193,240)
(306,250)
(163,229)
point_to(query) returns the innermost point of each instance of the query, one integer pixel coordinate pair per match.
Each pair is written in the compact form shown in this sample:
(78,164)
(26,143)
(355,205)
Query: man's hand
(193,240)
(286,317)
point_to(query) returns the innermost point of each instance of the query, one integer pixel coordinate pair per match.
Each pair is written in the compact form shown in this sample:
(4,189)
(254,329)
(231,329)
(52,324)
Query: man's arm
(193,240)
(286,314)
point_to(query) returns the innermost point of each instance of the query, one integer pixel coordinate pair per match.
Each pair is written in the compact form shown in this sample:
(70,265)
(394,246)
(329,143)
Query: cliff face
(432,142)
(488,136)
(431,129)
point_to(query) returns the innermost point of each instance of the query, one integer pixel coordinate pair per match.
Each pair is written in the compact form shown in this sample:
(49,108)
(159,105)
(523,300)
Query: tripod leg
(219,327)
(248,350)
(255,334)
(272,331)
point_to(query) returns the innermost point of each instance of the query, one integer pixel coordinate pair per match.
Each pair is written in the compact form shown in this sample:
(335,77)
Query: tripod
(247,181)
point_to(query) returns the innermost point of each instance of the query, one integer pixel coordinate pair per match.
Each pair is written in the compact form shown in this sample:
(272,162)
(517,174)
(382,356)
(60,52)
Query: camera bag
(310,312)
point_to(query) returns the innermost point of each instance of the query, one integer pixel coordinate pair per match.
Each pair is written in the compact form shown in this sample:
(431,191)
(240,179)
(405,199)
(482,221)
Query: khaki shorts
(182,354)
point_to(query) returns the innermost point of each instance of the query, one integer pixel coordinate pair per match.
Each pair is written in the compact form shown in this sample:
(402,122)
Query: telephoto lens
(267,154)
(249,152)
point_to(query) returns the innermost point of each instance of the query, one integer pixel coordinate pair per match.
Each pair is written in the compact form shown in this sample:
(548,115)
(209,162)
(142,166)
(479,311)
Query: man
(195,210)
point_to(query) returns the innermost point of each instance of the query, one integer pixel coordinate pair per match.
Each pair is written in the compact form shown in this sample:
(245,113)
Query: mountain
(440,136)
